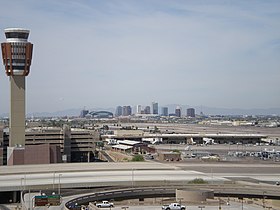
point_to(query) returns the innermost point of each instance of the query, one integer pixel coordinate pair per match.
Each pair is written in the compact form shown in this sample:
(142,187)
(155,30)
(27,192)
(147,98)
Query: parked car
(104,204)
(173,206)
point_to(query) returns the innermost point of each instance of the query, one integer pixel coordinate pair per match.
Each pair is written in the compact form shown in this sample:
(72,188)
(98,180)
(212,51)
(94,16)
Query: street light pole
(132,178)
(24,181)
(212,175)
(21,191)
(53,179)
(241,202)
(59,185)
(29,195)
(264,199)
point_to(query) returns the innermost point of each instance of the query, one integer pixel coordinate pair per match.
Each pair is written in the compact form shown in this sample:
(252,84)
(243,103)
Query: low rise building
(169,156)
(74,145)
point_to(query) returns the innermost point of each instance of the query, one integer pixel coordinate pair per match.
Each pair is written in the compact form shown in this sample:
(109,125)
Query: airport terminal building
(51,145)
(187,138)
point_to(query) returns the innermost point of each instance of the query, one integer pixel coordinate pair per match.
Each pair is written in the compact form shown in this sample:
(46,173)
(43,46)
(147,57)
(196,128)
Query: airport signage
(47,200)
(41,200)
(54,200)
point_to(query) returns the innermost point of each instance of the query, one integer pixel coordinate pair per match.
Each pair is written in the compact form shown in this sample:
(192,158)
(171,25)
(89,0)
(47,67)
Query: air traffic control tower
(17,55)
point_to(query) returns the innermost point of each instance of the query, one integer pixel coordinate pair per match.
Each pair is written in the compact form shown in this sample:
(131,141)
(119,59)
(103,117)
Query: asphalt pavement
(232,206)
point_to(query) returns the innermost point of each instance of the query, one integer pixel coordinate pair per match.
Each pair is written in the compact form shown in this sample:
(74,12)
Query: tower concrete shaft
(17,111)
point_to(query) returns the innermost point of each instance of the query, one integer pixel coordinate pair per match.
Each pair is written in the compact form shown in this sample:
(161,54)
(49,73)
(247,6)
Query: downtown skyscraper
(154,108)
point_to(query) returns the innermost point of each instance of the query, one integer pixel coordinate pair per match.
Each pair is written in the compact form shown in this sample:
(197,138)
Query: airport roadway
(110,175)
(131,174)
(233,206)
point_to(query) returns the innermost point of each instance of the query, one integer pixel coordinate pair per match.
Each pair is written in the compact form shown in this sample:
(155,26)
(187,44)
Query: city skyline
(102,54)
(147,109)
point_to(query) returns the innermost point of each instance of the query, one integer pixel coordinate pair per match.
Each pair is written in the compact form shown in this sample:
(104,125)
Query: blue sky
(124,52)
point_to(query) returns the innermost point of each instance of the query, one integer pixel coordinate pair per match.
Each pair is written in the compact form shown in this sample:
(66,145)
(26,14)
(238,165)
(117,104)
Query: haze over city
(109,53)
(140,104)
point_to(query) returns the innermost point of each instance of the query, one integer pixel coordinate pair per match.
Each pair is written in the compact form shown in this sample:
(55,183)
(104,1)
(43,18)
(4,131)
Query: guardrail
(121,194)
(239,191)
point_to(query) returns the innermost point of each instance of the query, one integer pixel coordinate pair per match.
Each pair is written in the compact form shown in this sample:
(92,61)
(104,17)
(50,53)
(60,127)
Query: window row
(17,56)
(16,35)
(17,67)
(14,61)
(19,49)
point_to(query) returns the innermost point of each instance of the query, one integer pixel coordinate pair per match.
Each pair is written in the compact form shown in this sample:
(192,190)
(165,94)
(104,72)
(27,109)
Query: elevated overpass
(157,192)
(56,177)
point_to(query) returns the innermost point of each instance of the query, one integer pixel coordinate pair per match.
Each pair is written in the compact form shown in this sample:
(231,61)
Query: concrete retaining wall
(193,195)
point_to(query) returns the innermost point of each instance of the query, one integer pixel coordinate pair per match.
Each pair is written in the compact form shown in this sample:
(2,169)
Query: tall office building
(119,112)
(126,110)
(138,109)
(147,110)
(178,111)
(191,112)
(154,108)
(17,56)
(164,111)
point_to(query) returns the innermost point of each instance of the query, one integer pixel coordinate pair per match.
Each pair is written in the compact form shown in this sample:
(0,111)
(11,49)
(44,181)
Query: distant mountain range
(171,108)
(62,113)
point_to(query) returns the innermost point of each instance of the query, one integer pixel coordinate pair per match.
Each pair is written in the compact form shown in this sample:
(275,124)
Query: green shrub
(198,181)
(138,158)
(176,151)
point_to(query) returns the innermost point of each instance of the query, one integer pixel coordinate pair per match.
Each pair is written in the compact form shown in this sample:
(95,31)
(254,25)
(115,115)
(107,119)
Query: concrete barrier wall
(193,195)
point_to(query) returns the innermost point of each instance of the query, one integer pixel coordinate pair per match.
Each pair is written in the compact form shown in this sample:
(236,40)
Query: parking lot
(225,152)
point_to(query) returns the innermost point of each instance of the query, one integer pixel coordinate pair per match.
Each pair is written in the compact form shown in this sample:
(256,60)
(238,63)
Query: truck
(173,206)
(104,204)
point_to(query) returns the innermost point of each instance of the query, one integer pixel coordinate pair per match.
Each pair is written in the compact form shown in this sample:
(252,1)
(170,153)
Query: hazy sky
(99,53)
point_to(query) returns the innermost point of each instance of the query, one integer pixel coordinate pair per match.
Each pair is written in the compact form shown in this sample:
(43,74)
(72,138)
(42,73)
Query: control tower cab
(17,52)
